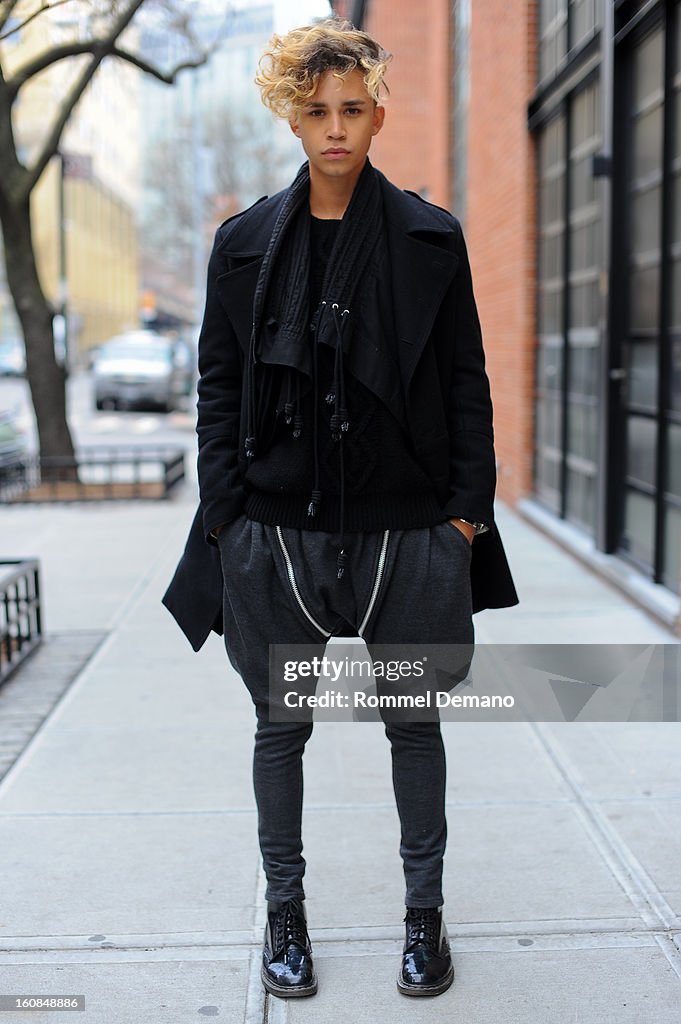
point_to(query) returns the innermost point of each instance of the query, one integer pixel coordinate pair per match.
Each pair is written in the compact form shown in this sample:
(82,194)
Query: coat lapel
(422,264)
(244,249)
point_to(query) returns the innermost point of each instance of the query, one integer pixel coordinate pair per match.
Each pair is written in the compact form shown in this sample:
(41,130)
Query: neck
(329,197)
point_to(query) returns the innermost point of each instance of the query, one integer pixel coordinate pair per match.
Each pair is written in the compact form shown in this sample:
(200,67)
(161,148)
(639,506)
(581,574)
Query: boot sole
(283,991)
(430,990)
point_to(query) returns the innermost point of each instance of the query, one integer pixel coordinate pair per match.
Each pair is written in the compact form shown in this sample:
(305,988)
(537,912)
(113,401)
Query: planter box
(98,473)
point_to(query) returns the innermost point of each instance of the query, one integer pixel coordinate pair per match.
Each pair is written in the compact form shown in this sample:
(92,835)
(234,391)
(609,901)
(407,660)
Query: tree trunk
(46,379)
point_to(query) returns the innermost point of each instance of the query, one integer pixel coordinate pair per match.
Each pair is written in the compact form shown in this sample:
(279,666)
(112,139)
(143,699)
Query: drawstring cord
(289,407)
(339,422)
(339,426)
(249,443)
(316,496)
(298,418)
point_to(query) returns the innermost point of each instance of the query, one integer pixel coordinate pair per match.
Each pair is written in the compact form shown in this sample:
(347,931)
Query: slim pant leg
(419,778)
(278,786)
(426,600)
(258,612)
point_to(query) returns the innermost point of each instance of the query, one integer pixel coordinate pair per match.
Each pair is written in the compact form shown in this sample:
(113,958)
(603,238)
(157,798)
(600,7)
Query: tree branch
(11,170)
(5,12)
(26,21)
(163,76)
(45,60)
(100,49)
(51,144)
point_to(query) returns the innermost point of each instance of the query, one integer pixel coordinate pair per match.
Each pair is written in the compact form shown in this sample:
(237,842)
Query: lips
(338,152)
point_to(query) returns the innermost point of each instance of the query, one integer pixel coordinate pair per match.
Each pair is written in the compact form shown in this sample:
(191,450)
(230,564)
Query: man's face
(341,115)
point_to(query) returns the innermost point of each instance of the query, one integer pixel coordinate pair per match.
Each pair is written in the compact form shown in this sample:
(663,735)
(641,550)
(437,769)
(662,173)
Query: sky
(291,13)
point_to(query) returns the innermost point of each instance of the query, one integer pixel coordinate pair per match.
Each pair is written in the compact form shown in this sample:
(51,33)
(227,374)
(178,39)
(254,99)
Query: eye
(353,110)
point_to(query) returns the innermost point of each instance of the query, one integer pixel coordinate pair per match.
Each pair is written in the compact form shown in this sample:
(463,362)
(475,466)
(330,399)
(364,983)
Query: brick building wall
(500,223)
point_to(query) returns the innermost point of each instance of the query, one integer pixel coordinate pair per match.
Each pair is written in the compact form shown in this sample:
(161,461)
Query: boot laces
(290,927)
(423,926)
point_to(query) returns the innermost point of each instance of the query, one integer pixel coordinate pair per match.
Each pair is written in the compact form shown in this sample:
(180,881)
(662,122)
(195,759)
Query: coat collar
(409,213)
(421,240)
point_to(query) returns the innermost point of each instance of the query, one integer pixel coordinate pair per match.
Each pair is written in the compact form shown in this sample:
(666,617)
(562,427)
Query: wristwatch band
(479,527)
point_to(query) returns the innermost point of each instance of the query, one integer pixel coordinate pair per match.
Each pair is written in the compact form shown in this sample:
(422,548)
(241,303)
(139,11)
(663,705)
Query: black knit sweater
(385,488)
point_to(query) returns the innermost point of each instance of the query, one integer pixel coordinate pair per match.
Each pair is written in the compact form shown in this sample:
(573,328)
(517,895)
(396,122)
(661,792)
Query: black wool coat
(443,401)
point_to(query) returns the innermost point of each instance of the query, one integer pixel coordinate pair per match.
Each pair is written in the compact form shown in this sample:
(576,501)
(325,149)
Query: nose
(336,126)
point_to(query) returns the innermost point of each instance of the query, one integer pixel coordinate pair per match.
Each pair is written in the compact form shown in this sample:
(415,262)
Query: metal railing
(20,612)
(97,473)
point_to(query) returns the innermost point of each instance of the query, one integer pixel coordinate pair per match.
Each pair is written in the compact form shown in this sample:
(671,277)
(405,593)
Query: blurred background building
(209,148)
(552,129)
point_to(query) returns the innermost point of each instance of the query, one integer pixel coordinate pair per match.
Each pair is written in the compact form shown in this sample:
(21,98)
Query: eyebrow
(346,103)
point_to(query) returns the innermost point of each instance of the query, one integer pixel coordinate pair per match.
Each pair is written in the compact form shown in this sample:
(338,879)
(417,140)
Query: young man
(346,463)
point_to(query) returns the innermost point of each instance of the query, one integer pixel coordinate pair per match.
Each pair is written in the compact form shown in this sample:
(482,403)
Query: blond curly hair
(290,68)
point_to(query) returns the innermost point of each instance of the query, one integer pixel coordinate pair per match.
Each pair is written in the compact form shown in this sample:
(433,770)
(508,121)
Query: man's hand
(466,528)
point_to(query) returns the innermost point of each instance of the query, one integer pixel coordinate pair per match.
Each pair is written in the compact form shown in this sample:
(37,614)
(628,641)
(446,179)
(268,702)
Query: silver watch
(479,527)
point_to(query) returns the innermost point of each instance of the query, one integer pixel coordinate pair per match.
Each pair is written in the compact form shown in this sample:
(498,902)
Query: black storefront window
(550,299)
(583,18)
(672,513)
(582,350)
(608,375)
(564,26)
(645,337)
(569,259)
(553,38)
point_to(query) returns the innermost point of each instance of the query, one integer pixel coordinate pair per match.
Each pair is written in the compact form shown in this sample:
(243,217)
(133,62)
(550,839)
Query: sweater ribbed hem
(363,514)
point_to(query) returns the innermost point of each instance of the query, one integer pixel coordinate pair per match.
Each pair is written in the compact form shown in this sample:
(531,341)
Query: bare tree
(101,26)
(248,158)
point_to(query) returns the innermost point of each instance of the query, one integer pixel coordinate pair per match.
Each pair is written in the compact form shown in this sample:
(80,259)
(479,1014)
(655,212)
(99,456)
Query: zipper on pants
(377,581)
(294,586)
(380,568)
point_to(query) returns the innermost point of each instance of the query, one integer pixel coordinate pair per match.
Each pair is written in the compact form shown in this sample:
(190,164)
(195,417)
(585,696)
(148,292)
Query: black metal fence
(20,613)
(97,473)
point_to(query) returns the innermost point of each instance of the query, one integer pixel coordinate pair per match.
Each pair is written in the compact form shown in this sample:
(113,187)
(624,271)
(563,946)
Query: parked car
(12,358)
(140,369)
(186,362)
(13,452)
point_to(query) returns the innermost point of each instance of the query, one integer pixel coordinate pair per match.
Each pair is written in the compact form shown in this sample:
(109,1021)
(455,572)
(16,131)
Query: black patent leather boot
(287,967)
(426,968)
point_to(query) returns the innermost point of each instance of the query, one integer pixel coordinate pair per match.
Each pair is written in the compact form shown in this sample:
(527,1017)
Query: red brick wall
(413,146)
(500,223)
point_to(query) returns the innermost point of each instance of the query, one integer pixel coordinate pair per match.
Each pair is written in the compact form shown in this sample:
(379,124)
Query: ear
(294,126)
(379,118)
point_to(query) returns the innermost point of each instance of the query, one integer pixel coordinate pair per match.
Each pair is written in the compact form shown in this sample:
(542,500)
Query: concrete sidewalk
(130,864)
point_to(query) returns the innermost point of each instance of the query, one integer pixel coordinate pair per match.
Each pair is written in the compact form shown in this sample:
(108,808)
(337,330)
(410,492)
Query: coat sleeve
(219,408)
(472,465)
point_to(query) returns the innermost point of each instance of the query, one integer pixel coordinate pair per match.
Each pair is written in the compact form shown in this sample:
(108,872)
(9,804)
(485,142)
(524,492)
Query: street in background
(12,358)
(142,369)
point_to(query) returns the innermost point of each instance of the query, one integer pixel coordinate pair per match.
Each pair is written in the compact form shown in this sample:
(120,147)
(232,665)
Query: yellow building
(101,161)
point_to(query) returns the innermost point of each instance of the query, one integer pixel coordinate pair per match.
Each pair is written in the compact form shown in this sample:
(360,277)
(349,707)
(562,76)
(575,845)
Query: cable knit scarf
(282,298)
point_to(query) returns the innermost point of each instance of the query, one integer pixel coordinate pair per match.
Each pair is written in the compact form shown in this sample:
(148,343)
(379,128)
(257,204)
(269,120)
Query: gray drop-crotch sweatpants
(402,587)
